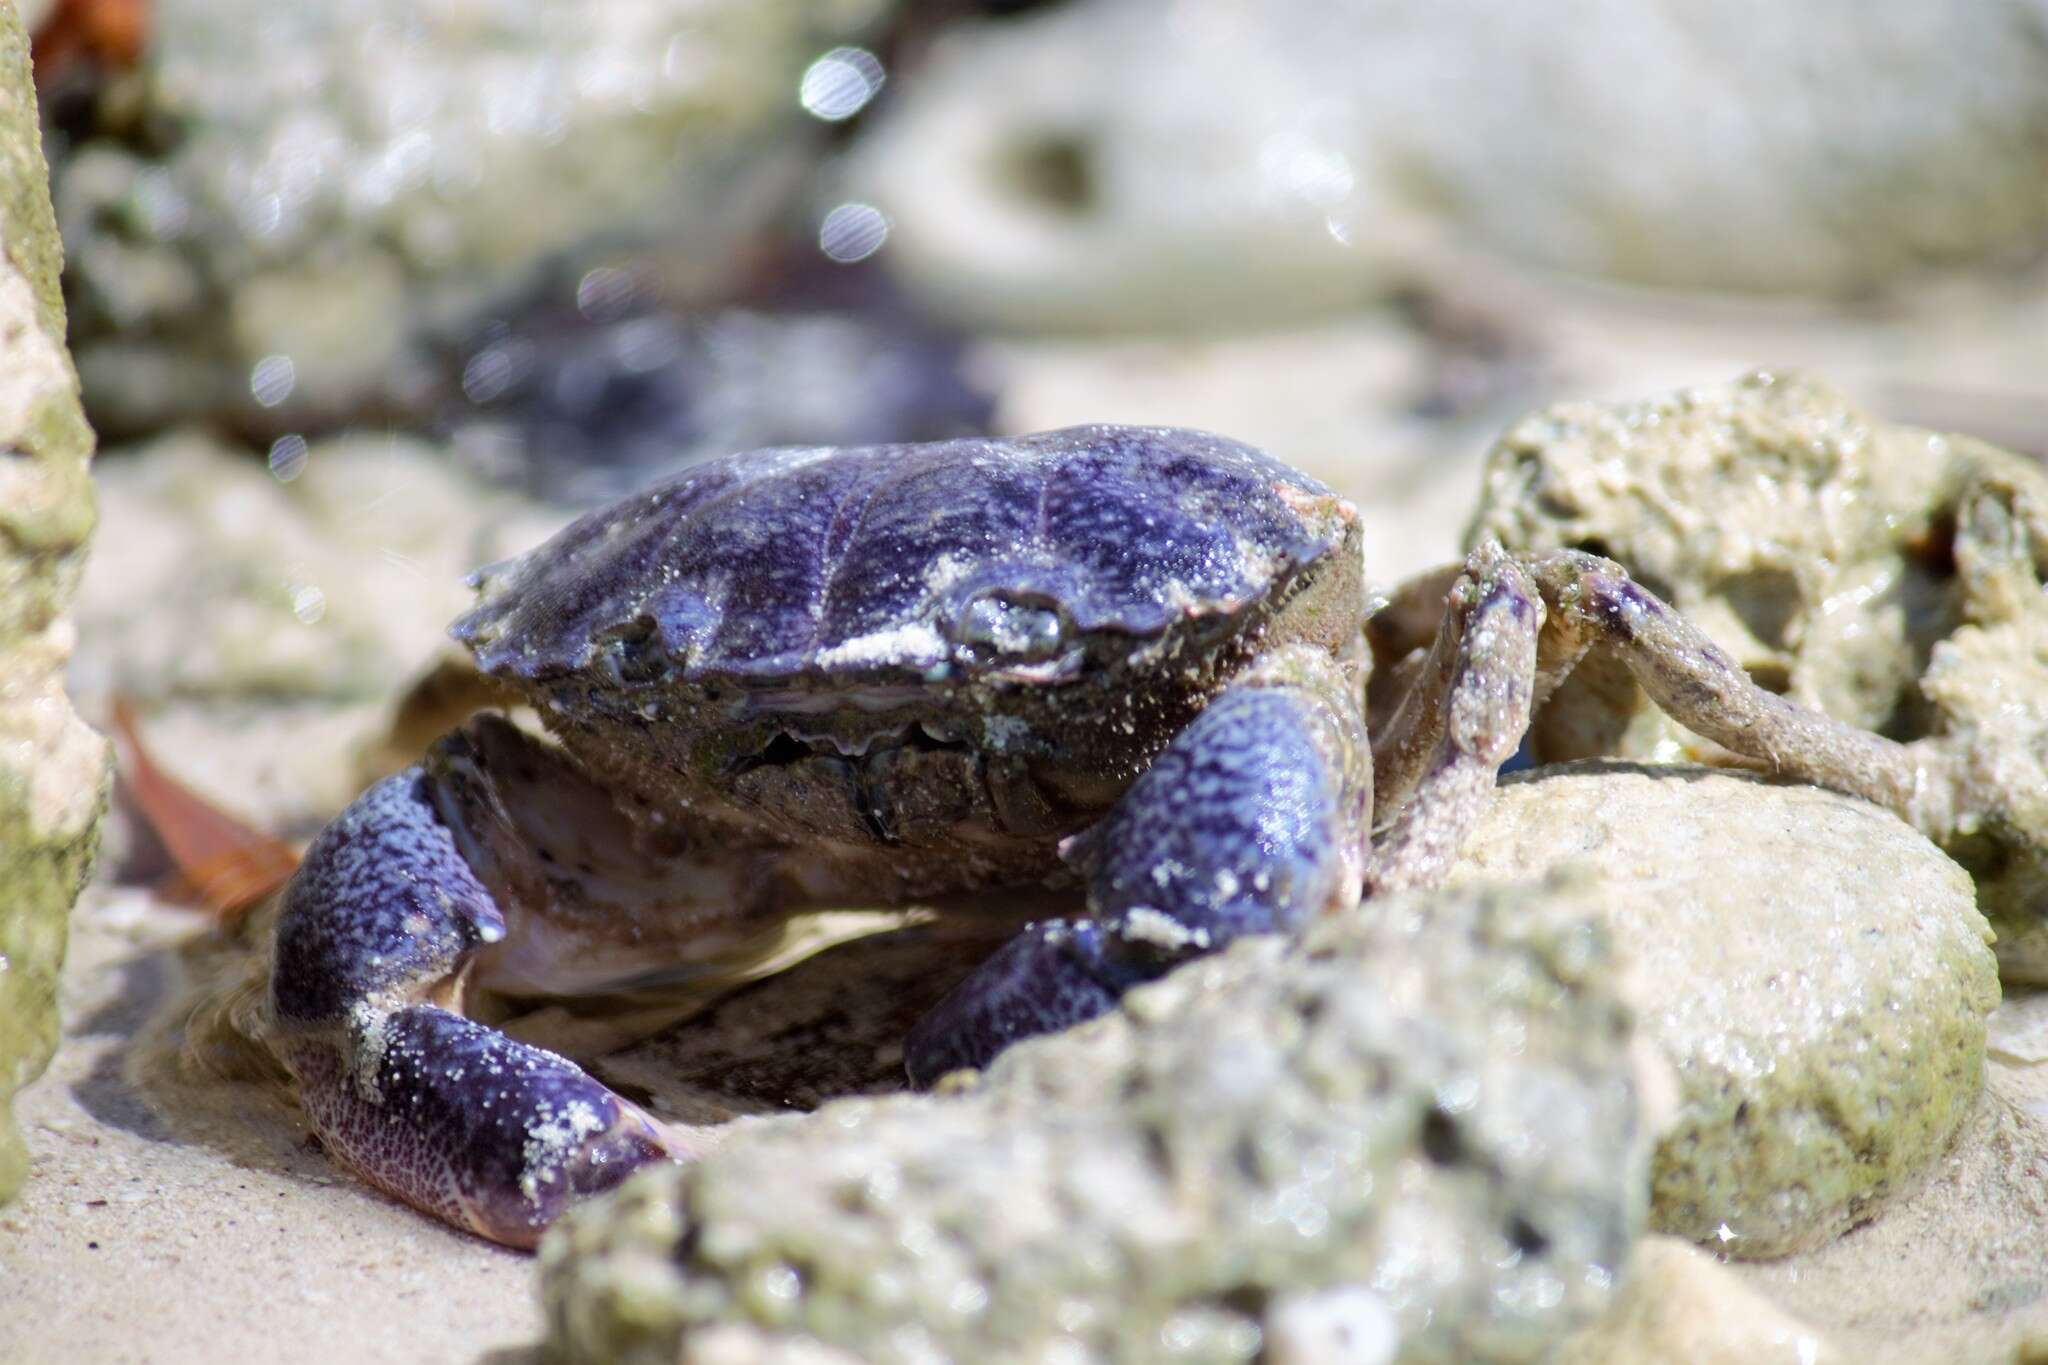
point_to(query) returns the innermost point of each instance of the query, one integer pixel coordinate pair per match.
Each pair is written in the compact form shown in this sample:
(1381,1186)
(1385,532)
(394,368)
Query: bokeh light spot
(272,379)
(839,84)
(288,457)
(309,604)
(853,232)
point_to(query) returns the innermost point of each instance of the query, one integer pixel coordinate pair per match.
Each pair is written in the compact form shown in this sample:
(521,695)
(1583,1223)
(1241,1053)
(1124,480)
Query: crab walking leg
(1593,602)
(453,1117)
(1481,679)
(1254,820)
(1403,747)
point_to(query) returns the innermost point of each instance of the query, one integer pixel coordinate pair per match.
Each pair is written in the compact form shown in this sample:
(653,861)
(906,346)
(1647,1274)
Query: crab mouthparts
(794,746)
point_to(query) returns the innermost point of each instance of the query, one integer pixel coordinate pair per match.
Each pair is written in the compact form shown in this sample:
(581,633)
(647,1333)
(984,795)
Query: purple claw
(1249,823)
(1049,976)
(447,1114)
(462,1122)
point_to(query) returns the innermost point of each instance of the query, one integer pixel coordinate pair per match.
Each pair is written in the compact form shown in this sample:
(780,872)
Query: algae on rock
(52,768)
(1425,1129)
(1813,969)
(1895,578)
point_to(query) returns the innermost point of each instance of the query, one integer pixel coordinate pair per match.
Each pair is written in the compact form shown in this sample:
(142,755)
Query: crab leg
(1253,820)
(376,932)
(1462,720)
(1593,602)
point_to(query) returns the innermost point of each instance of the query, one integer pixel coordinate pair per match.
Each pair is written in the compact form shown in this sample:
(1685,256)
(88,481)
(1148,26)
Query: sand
(148,1234)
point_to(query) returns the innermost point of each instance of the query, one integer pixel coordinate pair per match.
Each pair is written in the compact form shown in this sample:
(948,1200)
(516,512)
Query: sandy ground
(151,1236)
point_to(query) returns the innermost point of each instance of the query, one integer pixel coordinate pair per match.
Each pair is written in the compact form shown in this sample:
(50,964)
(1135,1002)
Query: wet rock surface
(1890,576)
(1815,972)
(130,1174)
(52,768)
(1279,1148)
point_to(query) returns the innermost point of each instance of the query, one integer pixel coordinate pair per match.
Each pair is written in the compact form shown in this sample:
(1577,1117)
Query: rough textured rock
(1422,1132)
(1889,576)
(52,768)
(1813,969)
(1988,685)
(282,207)
(332,575)
(1149,164)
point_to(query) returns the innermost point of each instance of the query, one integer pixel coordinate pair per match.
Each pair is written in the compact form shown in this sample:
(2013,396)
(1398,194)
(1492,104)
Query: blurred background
(365,295)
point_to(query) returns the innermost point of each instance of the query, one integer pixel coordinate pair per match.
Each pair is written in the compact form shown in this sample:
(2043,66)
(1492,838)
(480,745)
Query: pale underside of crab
(1115,677)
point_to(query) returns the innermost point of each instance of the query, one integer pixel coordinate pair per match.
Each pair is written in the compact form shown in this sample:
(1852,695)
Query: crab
(1116,675)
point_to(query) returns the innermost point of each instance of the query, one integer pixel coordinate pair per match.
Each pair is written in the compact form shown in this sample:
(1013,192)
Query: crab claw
(451,1116)
(1050,975)
(465,1124)
(1254,820)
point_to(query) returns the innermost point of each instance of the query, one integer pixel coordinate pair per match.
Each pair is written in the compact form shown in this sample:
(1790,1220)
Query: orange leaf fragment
(224,863)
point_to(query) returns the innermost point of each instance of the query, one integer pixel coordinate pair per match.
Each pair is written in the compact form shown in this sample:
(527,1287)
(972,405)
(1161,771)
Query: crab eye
(1014,630)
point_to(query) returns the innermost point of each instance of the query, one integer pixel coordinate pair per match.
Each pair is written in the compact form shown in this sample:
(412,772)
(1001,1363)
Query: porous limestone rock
(1814,970)
(1894,578)
(1148,164)
(279,212)
(52,768)
(1420,1134)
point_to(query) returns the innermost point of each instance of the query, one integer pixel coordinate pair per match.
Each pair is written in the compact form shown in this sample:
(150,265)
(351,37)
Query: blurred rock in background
(1112,164)
(279,209)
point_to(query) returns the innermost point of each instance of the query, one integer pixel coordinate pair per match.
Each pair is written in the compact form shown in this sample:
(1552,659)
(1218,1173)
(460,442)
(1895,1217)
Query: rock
(53,770)
(333,575)
(1891,577)
(1149,166)
(33,13)
(1814,971)
(273,219)
(1796,532)
(1284,1146)
(1676,1303)
(1988,686)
